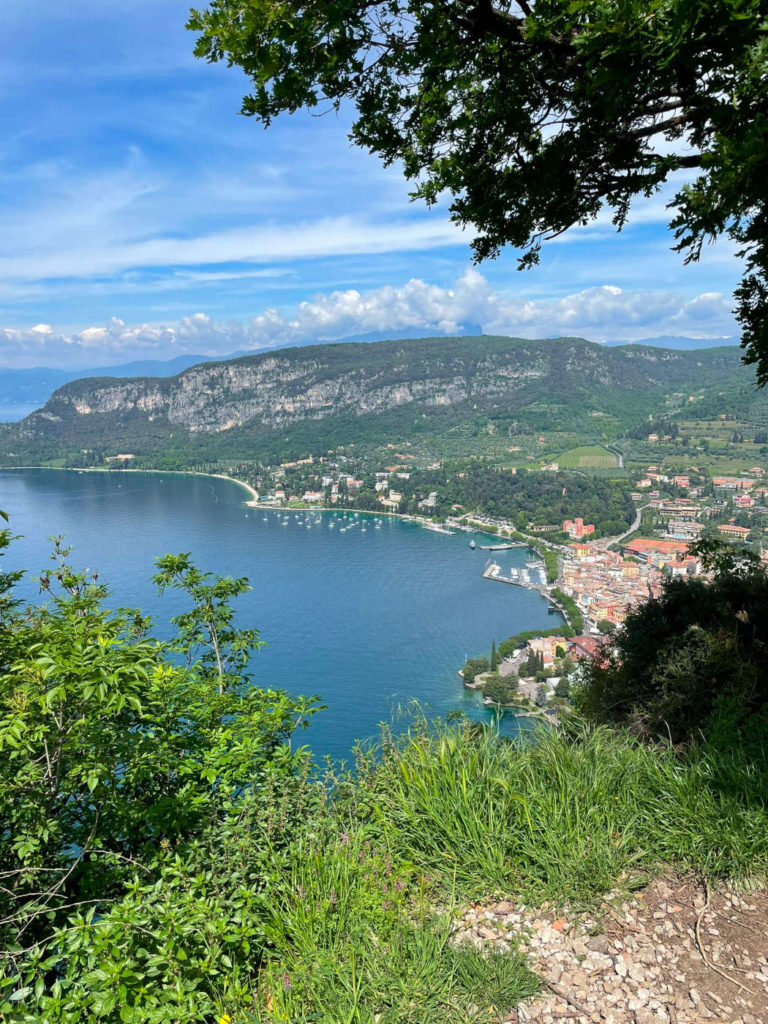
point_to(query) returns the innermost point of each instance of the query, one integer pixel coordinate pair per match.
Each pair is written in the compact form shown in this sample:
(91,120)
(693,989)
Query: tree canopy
(535,116)
(691,662)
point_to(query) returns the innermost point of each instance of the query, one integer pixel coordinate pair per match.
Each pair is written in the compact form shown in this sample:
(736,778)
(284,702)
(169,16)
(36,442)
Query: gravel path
(678,953)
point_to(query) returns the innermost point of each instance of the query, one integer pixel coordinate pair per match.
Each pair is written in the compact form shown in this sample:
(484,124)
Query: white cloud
(337,236)
(601,314)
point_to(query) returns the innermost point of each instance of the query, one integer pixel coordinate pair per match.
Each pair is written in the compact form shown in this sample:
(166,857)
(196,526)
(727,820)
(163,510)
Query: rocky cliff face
(278,389)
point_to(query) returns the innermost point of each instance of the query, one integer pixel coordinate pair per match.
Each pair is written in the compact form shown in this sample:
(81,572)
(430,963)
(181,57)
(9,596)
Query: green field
(588,457)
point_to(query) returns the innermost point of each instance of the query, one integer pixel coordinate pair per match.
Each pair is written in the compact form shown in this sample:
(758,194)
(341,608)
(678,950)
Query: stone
(599,943)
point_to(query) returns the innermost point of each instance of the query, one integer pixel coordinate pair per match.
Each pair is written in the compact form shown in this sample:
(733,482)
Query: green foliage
(542,498)
(563,688)
(532,818)
(534,117)
(500,689)
(542,695)
(206,634)
(114,762)
(572,610)
(354,937)
(606,626)
(514,643)
(474,667)
(693,659)
(494,662)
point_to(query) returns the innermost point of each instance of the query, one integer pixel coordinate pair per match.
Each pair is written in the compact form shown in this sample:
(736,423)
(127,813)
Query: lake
(367,618)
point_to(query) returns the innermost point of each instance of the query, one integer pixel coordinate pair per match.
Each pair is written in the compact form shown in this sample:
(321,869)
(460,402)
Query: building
(679,529)
(584,648)
(547,646)
(675,569)
(743,501)
(577,529)
(647,547)
(734,532)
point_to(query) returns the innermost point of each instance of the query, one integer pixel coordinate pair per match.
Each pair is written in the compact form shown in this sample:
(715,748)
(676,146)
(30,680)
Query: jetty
(492,571)
(436,528)
(503,547)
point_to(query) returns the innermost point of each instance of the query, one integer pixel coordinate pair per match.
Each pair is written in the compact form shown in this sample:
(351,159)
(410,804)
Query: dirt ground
(678,953)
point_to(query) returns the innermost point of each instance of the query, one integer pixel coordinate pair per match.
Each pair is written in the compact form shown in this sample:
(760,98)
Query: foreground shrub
(693,660)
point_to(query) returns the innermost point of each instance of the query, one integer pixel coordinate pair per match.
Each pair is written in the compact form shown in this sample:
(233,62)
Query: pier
(492,571)
(503,547)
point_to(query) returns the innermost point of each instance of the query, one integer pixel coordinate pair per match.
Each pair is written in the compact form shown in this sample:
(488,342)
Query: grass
(588,457)
(355,939)
(358,920)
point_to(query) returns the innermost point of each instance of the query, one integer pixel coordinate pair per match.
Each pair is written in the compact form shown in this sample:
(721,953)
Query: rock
(645,1016)
(597,962)
(599,943)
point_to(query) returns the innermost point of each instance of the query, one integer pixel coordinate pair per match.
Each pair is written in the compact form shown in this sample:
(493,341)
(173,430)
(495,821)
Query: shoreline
(161,472)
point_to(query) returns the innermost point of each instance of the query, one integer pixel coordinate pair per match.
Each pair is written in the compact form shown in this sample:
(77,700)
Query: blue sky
(142,216)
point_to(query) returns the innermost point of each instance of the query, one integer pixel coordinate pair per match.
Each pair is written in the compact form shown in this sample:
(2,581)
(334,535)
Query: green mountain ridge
(314,397)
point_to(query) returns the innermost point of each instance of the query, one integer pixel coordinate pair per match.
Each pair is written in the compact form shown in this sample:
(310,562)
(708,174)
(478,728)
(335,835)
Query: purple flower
(344,838)
(399,885)
(286,982)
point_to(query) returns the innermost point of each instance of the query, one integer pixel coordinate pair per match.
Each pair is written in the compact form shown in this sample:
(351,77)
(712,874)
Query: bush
(116,763)
(694,659)
(474,667)
(500,689)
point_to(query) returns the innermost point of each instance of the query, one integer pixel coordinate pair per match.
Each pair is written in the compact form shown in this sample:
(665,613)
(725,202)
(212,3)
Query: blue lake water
(369,619)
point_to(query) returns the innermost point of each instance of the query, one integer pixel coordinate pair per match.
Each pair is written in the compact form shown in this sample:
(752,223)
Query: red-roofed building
(577,529)
(587,648)
(648,546)
(737,532)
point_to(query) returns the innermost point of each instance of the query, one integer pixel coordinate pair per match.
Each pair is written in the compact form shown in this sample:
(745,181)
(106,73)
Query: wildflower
(399,885)
(286,982)
(387,866)
(225,1019)
(344,838)
(332,897)
(302,891)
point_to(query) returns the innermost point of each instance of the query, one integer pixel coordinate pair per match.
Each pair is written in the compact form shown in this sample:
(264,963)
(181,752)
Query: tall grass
(354,940)
(566,816)
(448,813)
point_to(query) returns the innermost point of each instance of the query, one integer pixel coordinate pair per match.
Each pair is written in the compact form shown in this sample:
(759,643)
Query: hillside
(318,396)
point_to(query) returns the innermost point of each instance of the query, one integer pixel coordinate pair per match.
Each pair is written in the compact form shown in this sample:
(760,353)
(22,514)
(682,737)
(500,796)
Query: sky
(141,216)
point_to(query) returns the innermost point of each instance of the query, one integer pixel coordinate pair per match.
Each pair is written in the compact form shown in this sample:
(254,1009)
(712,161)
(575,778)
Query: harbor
(503,547)
(532,577)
